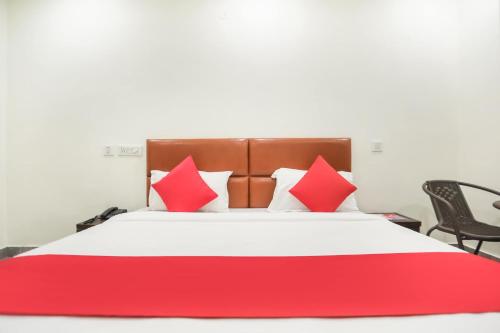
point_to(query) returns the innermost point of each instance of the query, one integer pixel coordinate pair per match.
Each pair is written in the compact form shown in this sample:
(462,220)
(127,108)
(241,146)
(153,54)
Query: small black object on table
(89,223)
(401,220)
(106,215)
(496,204)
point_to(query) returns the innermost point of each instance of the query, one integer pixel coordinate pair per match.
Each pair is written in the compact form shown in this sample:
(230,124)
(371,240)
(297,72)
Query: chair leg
(431,230)
(460,243)
(478,247)
(459,238)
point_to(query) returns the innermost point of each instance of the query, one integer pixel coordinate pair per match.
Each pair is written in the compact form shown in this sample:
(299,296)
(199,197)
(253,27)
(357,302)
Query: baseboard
(481,253)
(490,255)
(12,251)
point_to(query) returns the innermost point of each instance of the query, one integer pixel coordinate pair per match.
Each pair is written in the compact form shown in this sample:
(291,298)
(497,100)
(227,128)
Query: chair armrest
(479,188)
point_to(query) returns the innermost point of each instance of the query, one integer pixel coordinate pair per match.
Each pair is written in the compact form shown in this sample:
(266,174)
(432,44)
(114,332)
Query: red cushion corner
(322,189)
(183,189)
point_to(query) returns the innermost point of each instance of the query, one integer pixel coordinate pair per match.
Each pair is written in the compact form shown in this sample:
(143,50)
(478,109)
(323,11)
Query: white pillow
(217,181)
(284,201)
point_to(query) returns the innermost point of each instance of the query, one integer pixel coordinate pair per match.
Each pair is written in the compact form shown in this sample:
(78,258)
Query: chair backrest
(451,192)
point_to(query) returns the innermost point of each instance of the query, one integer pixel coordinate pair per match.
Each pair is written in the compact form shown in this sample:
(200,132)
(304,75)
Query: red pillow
(183,189)
(322,189)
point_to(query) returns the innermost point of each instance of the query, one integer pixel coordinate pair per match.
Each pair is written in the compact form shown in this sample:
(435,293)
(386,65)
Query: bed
(248,230)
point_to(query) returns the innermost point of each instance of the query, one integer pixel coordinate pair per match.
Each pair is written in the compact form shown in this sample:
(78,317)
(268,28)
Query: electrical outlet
(129,150)
(108,151)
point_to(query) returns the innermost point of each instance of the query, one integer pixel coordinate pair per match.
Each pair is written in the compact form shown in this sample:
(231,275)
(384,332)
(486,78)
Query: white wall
(3,112)
(479,117)
(89,73)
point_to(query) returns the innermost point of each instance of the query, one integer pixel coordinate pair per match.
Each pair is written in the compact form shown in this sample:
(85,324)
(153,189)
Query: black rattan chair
(454,215)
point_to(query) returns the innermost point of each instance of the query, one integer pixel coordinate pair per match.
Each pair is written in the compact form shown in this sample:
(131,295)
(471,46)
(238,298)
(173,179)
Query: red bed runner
(250,287)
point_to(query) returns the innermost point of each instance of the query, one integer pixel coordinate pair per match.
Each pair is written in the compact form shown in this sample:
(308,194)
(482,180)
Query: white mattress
(247,232)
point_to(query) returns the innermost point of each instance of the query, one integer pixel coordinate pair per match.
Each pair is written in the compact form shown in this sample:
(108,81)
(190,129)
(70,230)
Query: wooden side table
(401,220)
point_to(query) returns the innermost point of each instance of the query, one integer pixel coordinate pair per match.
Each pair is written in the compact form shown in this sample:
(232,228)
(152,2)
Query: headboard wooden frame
(251,160)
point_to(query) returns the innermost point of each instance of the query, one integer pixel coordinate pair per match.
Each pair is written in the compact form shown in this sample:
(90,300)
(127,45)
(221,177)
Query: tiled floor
(9,252)
(481,254)
(487,256)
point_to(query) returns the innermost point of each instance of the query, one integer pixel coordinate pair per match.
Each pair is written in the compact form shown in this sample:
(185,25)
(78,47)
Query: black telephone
(98,219)
(110,212)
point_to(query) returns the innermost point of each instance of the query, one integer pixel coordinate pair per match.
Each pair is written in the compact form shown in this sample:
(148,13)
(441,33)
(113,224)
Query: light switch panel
(377,146)
(108,151)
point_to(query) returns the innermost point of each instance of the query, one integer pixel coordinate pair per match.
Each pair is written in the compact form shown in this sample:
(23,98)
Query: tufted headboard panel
(251,160)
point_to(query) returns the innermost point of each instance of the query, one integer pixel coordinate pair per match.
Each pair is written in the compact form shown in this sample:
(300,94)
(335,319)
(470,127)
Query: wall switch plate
(377,146)
(129,150)
(108,151)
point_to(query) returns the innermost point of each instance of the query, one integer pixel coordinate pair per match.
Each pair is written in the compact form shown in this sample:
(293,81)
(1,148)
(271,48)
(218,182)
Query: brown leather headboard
(251,160)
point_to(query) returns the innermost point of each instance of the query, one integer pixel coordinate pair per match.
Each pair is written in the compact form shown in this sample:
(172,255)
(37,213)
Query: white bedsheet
(247,233)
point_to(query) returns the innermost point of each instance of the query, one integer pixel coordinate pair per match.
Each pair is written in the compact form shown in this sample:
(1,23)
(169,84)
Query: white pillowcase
(217,181)
(284,201)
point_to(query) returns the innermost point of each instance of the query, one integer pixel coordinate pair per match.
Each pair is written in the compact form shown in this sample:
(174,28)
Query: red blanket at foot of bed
(250,287)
